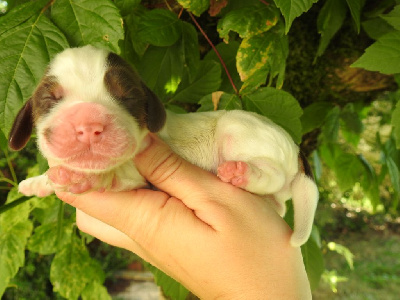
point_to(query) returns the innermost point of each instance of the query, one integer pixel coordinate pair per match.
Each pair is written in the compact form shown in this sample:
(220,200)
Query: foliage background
(310,73)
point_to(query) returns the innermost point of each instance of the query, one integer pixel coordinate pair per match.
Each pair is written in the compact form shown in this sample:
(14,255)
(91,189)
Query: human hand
(219,241)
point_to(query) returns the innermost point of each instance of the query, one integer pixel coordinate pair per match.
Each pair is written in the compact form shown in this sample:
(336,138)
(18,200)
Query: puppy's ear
(155,111)
(125,85)
(22,128)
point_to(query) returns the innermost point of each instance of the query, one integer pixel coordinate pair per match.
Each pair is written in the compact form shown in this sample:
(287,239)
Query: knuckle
(165,168)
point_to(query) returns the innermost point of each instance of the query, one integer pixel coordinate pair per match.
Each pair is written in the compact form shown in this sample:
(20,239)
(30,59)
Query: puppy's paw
(72,181)
(36,186)
(234,172)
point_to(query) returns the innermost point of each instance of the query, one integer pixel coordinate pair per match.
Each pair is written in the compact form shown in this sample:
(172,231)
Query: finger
(103,231)
(177,177)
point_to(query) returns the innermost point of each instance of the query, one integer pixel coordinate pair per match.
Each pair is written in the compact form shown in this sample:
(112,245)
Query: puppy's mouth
(101,153)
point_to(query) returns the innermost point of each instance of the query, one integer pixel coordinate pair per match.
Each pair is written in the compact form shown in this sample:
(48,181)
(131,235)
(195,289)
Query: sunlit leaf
(12,251)
(95,291)
(45,238)
(393,17)
(376,27)
(171,288)
(313,260)
(396,123)
(247,21)
(72,269)
(206,81)
(382,56)
(161,68)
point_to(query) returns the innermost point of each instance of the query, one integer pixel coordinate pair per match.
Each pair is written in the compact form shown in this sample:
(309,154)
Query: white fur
(206,139)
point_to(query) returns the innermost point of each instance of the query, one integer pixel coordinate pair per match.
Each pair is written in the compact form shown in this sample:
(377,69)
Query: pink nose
(89,133)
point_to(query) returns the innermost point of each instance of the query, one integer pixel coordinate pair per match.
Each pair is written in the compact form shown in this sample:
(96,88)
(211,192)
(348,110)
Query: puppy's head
(91,111)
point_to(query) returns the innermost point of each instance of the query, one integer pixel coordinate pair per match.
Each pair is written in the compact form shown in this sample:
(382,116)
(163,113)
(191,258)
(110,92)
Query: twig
(216,52)
(263,1)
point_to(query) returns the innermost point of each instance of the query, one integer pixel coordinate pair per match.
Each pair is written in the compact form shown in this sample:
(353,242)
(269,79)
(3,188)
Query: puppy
(92,114)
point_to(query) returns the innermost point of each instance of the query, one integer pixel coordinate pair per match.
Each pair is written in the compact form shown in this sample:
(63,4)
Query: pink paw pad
(233,172)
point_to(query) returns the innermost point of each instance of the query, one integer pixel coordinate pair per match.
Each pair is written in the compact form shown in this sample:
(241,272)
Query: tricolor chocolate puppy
(92,114)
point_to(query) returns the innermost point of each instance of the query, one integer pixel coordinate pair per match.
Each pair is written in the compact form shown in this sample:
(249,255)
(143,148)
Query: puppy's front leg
(36,186)
(122,178)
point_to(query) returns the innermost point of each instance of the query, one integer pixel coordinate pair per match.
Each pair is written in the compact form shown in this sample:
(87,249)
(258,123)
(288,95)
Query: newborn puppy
(92,115)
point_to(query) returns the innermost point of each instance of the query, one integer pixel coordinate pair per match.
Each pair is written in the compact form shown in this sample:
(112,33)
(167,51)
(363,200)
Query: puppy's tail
(305,199)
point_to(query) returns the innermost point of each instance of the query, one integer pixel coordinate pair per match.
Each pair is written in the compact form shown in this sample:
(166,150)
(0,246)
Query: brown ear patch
(47,94)
(125,85)
(22,127)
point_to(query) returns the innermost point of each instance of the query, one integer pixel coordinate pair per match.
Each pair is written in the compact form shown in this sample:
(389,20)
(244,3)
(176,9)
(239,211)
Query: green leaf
(353,125)
(20,14)
(330,130)
(394,178)
(382,56)
(330,20)
(171,288)
(18,213)
(95,291)
(161,68)
(247,21)
(220,100)
(131,25)
(253,55)
(126,6)
(376,27)
(348,169)
(3,142)
(159,27)
(279,106)
(313,259)
(355,10)
(89,22)
(45,238)
(207,80)
(291,9)
(25,52)
(228,53)
(261,55)
(314,115)
(197,7)
(190,49)
(393,17)
(396,123)
(344,251)
(72,269)
(12,251)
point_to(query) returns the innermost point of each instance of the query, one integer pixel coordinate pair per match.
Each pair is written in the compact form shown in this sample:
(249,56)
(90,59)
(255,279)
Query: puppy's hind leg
(260,175)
